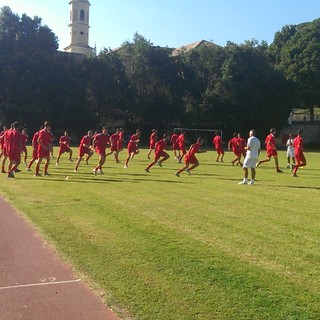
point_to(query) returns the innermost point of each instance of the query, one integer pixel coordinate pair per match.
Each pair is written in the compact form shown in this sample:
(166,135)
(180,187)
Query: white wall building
(79,27)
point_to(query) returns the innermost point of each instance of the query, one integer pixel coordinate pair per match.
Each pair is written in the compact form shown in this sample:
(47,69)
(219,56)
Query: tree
(298,56)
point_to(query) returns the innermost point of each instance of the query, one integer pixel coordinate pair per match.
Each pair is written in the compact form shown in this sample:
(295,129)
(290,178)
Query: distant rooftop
(192,46)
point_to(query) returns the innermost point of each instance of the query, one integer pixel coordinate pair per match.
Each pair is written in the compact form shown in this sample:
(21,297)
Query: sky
(172,23)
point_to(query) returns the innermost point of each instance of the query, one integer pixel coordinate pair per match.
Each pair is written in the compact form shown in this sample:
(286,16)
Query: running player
(233,145)
(190,157)
(217,142)
(100,142)
(44,148)
(271,149)
(175,146)
(34,149)
(159,154)
(84,148)
(298,153)
(152,141)
(182,145)
(24,141)
(4,154)
(13,141)
(64,142)
(133,146)
(114,138)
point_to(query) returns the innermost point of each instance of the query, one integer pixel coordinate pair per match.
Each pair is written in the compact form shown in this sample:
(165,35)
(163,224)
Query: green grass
(194,247)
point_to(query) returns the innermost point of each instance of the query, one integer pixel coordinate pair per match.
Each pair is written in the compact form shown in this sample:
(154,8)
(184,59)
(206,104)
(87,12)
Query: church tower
(79,27)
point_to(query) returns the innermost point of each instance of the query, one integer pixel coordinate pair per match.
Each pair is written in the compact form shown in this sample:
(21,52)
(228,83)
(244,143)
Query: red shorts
(133,149)
(158,155)
(5,152)
(101,152)
(152,144)
(113,148)
(43,153)
(83,151)
(190,158)
(14,155)
(220,151)
(272,153)
(24,149)
(300,158)
(63,148)
(119,146)
(175,146)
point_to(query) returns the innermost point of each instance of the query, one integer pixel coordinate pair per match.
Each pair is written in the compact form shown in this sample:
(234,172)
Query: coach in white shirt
(253,150)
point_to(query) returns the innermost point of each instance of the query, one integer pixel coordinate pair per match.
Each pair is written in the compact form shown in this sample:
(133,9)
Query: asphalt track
(34,283)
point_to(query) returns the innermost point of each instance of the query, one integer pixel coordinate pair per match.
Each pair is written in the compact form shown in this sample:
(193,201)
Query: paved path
(34,283)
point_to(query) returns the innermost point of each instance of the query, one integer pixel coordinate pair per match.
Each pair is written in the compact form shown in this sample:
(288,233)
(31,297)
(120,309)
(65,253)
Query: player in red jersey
(120,140)
(190,157)
(152,141)
(271,149)
(159,152)
(133,146)
(233,145)
(13,145)
(24,141)
(84,148)
(44,147)
(182,145)
(217,142)
(64,142)
(1,140)
(114,138)
(52,138)
(298,153)
(175,145)
(242,143)
(100,142)
(3,151)
(34,145)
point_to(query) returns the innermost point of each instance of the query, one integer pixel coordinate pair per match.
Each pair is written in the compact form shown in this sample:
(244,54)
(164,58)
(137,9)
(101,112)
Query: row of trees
(235,87)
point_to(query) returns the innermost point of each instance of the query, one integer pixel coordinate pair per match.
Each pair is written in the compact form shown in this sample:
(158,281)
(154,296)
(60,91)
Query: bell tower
(79,27)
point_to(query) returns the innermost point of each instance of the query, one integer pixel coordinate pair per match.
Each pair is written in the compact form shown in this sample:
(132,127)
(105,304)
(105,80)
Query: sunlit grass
(194,247)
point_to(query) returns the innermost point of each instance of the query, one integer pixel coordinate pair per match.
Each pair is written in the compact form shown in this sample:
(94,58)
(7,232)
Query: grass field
(195,247)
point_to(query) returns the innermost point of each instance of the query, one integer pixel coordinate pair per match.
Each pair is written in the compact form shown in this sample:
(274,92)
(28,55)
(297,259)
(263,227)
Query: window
(81,15)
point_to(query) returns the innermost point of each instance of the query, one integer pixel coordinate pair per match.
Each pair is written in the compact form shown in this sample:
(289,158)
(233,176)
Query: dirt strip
(34,283)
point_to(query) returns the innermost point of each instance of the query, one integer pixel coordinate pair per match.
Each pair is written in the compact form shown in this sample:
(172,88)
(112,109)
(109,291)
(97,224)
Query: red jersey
(101,141)
(65,140)
(194,148)
(13,141)
(35,140)
(234,144)
(85,142)
(24,139)
(160,146)
(181,141)
(45,137)
(114,138)
(298,145)
(270,142)
(133,143)
(217,142)
(2,139)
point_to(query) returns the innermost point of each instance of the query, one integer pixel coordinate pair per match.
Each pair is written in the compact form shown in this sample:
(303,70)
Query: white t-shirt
(254,144)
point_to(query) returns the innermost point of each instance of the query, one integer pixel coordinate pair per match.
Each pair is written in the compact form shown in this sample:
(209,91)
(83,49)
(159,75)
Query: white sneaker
(125,166)
(28,169)
(57,163)
(251,183)
(243,182)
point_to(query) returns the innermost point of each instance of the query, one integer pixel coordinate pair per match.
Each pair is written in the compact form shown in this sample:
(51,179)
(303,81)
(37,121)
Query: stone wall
(311,132)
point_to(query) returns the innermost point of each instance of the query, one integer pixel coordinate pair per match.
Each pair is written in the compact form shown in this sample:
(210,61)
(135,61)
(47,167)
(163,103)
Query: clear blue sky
(173,23)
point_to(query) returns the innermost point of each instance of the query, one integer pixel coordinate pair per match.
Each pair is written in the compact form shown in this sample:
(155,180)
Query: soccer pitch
(158,247)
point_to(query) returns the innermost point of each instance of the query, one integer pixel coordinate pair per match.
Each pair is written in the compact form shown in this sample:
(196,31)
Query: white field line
(39,284)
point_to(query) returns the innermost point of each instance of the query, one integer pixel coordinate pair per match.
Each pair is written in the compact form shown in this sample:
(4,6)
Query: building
(79,27)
